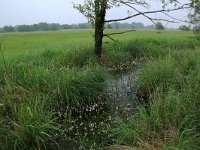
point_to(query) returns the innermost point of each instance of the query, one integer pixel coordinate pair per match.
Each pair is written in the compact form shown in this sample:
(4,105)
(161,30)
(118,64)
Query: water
(122,89)
(122,94)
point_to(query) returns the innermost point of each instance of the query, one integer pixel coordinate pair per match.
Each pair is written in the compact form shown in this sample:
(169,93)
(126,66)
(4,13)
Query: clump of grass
(70,86)
(187,61)
(116,59)
(115,53)
(34,127)
(81,87)
(75,58)
(137,47)
(161,74)
(49,54)
(31,125)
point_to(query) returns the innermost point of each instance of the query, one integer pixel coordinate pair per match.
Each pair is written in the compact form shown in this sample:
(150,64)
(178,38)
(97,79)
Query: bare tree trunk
(100,12)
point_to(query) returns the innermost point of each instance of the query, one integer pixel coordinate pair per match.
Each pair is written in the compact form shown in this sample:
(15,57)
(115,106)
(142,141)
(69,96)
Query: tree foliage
(44,27)
(159,26)
(195,16)
(184,28)
(8,29)
(88,10)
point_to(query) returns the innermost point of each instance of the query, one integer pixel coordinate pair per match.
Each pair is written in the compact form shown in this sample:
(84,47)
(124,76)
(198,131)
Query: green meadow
(33,42)
(54,93)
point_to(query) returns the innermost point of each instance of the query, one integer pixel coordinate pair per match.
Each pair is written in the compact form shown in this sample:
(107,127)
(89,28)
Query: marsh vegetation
(143,94)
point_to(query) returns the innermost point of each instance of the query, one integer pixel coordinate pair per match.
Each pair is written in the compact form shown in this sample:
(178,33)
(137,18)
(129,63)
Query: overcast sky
(17,12)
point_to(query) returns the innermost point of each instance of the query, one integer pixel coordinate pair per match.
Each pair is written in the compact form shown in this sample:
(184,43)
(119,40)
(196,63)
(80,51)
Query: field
(55,95)
(33,42)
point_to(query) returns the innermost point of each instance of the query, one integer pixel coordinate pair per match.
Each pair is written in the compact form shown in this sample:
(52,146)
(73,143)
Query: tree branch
(136,2)
(118,33)
(185,6)
(150,18)
(111,38)
(184,21)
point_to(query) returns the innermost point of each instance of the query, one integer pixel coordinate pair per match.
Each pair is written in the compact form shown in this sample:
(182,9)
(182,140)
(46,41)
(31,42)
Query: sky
(17,12)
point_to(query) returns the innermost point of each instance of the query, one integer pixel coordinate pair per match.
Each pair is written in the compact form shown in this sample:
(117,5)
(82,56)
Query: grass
(53,91)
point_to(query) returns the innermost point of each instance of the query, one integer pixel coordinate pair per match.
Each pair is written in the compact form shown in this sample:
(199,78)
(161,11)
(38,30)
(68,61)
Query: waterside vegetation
(53,92)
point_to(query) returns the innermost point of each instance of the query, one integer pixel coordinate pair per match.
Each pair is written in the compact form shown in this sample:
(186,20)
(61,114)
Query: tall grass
(27,122)
(38,92)
(69,86)
(45,91)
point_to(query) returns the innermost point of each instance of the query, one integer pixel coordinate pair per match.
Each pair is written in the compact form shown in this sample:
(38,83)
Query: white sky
(17,12)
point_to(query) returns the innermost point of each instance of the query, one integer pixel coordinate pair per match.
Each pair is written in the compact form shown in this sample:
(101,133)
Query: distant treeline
(55,26)
(44,27)
(133,25)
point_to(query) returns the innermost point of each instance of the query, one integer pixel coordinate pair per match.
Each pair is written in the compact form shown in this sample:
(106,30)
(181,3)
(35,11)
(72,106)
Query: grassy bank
(53,92)
(168,118)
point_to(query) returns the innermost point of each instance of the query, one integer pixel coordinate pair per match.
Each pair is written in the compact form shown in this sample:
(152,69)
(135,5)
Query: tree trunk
(98,41)
(100,12)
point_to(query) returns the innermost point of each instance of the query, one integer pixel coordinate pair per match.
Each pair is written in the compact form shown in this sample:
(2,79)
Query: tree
(95,12)
(184,28)
(8,29)
(159,26)
(138,25)
(195,16)
(53,26)
(35,27)
(66,26)
(24,28)
(109,26)
(83,26)
(43,26)
(1,30)
(116,25)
